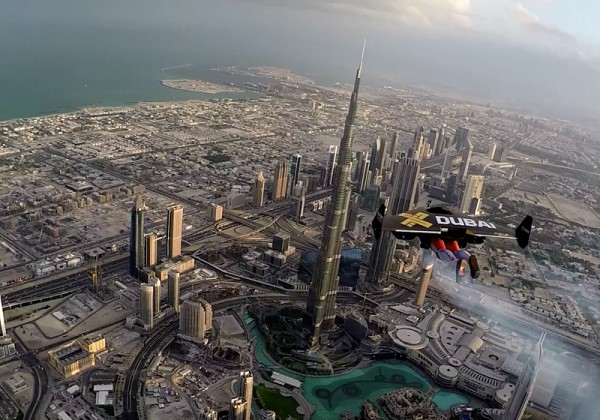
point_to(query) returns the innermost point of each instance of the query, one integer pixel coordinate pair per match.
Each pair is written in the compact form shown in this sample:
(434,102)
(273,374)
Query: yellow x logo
(413,219)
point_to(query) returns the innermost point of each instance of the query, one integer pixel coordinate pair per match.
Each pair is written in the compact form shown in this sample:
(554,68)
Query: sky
(538,55)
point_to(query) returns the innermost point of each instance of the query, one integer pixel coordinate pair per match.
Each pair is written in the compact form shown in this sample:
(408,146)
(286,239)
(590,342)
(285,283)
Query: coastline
(199,86)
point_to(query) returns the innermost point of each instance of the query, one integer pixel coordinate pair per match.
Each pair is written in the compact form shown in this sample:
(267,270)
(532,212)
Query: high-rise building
(432,140)
(375,154)
(195,319)
(525,385)
(501,153)
(320,306)
(280,180)
(207,413)
(2,322)
(258,192)
(447,165)
(298,202)
(406,180)
(246,385)
(238,408)
(473,189)
(156,295)
(418,150)
(393,152)
(216,212)
(441,144)
(151,250)
(466,161)
(332,155)
(147,304)
(363,177)
(174,231)
(281,242)
(137,256)
(423,285)
(371,196)
(492,151)
(295,167)
(173,290)
(460,137)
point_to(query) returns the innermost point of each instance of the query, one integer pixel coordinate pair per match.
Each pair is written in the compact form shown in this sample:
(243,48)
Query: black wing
(405,225)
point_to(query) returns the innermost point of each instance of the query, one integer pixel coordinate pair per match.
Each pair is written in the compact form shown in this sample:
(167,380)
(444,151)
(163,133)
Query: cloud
(410,12)
(535,25)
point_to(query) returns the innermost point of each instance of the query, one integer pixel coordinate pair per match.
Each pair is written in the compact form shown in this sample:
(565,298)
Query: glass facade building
(349,266)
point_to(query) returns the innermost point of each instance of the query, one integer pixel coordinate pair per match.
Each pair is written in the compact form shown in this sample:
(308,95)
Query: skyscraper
(406,179)
(298,202)
(296,162)
(238,408)
(363,174)
(174,230)
(432,140)
(246,384)
(441,145)
(332,155)
(320,307)
(418,149)
(394,147)
(137,255)
(447,165)
(473,189)
(258,192)
(375,154)
(466,161)
(280,180)
(460,137)
(2,322)
(155,283)
(492,151)
(195,318)
(173,290)
(151,250)
(423,285)
(147,304)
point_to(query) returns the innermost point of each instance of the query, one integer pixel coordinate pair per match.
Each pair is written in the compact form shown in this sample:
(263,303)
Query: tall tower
(2,322)
(320,307)
(406,176)
(280,180)
(151,257)
(195,318)
(423,285)
(447,165)
(173,290)
(375,154)
(174,230)
(296,162)
(460,137)
(147,304)
(466,161)
(332,155)
(298,202)
(394,147)
(136,243)
(473,189)
(492,151)
(363,173)
(155,283)
(258,192)
(441,146)
(432,140)
(246,384)
(237,408)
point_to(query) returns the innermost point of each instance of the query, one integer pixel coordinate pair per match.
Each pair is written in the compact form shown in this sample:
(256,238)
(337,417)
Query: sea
(61,55)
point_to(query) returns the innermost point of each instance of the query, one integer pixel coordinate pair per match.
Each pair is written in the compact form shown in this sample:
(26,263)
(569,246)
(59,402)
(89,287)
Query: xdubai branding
(459,221)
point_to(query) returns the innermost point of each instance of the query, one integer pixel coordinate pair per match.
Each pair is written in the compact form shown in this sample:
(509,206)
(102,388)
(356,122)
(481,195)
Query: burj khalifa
(319,316)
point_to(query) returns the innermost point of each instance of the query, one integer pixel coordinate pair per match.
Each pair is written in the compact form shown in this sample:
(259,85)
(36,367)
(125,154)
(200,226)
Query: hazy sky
(542,55)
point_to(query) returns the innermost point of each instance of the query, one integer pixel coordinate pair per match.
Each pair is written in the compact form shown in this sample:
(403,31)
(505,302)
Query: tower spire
(320,307)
